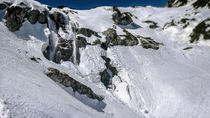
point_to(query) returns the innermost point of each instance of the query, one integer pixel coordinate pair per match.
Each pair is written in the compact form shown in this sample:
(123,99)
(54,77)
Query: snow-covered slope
(156,71)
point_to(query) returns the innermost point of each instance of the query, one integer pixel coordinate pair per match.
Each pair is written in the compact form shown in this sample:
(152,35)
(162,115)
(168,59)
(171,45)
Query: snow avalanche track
(166,83)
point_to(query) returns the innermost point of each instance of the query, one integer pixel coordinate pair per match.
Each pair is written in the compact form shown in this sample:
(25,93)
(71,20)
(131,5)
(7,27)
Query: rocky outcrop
(176,3)
(121,18)
(3,5)
(42,18)
(34,15)
(149,43)
(64,51)
(152,24)
(112,39)
(65,48)
(108,73)
(59,19)
(15,17)
(67,81)
(202,29)
(201,3)
(87,32)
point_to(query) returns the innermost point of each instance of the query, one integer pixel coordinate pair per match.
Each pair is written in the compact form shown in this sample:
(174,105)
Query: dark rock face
(153,25)
(169,24)
(64,51)
(112,39)
(108,73)
(201,3)
(97,42)
(87,32)
(81,42)
(59,20)
(67,81)
(201,29)
(121,18)
(175,3)
(15,17)
(33,16)
(148,43)
(3,6)
(42,18)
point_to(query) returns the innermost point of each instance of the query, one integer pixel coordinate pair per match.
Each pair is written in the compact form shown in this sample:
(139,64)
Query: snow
(165,83)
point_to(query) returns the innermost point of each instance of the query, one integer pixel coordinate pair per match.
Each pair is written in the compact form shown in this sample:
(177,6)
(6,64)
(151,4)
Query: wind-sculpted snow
(149,71)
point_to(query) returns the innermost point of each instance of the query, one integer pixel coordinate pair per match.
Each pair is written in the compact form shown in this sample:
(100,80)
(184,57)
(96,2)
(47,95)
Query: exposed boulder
(67,81)
(110,33)
(152,24)
(87,32)
(81,42)
(15,17)
(149,43)
(3,6)
(108,73)
(59,19)
(112,39)
(201,3)
(64,51)
(176,3)
(33,16)
(121,18)
(97,42)
(169,24)
(202,29)
(42,18)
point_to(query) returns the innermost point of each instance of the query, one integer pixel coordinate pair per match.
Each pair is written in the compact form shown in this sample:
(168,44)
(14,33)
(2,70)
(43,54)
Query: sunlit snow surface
(165,83)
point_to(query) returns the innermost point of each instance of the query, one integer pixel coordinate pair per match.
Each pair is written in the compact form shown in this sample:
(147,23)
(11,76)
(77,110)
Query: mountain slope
(141,61)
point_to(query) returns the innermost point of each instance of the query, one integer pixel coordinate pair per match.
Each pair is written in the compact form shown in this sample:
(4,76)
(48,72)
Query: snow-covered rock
(146,67)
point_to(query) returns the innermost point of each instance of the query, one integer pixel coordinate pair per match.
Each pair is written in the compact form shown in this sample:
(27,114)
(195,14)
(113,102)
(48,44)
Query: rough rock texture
(121,18)
(33,16)
(201,3)
(87,32)
(176,3)
(112,39)
(80,43)
(152,24)
(15,17)
(148,43)
(108,73)
(97,42)
(202,29)
(67,81)
(169,24)
(64,51)
(3,6)
(59,20)
(42,18)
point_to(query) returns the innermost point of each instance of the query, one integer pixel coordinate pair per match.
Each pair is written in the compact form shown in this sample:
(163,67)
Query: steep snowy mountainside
(133,62)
